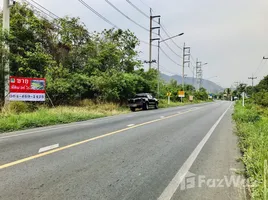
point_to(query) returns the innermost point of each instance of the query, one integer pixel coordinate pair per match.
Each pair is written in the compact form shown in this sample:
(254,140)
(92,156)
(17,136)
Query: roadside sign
(169,94)
(181,93)
(191,98)
(27,89)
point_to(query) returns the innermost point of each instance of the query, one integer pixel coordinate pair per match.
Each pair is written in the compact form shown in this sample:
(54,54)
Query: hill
(209,85)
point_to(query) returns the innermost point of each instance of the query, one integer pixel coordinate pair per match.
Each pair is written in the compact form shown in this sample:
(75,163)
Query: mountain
(209,85)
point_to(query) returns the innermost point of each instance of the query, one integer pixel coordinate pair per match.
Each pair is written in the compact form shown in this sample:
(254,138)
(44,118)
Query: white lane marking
(44,129)
(130,125)
(47,148)
(162,117)
(178,178)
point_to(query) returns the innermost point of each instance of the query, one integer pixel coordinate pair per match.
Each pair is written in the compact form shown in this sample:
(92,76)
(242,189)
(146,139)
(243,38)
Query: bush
(18,107)
(253,138)
(246,114)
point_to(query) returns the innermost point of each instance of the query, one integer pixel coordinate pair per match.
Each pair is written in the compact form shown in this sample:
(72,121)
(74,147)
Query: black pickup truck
(142,100)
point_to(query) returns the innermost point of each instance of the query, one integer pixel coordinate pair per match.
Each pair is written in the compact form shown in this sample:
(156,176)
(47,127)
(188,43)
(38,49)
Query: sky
(230,35)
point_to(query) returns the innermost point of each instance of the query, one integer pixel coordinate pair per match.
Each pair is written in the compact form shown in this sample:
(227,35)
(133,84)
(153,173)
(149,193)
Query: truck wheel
(133,109)
(145,106)
(156,106)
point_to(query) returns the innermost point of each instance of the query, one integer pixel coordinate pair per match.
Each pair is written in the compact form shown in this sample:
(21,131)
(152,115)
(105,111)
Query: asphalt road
(143,155)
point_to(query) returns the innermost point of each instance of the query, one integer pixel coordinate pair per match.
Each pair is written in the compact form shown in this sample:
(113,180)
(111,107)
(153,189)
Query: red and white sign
(27,89)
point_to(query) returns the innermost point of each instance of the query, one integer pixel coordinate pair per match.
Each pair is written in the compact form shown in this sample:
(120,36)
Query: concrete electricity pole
(158,57)
(6,25)
(151,35)
(185,59)
(198,74)
(252,78)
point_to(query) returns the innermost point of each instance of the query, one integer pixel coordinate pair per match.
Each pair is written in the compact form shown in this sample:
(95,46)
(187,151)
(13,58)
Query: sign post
(243,101)
(168,95)
(181,94)
(27,89)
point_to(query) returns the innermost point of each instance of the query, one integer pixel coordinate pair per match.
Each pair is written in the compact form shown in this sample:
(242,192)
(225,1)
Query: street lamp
(158,58)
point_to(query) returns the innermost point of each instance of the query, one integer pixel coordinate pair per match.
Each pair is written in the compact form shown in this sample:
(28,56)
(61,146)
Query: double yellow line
(89,140)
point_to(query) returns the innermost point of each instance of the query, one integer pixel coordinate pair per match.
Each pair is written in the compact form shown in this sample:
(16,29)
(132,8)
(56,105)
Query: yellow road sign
(181,93)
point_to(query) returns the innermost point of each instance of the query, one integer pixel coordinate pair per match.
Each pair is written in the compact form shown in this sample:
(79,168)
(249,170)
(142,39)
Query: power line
(98,14)
(169,57)
(112,5)
(102,17)
(144,14)
(170,48)
(168,35)
(56,16)
(145,4)
(193,58)
(38,9)
(41,11)
(259,67)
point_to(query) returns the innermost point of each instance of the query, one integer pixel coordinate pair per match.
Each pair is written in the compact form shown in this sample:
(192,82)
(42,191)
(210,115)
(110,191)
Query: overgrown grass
(163,103)
(43,116)
(252,127)
(19,115)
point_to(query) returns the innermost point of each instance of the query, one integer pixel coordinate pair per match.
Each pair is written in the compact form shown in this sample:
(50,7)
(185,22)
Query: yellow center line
(89,140)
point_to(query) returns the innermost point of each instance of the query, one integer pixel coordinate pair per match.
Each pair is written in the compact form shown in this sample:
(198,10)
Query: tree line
(76,63)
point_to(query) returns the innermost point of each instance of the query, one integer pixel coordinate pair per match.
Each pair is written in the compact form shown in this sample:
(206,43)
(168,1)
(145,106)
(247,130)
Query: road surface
(142,155)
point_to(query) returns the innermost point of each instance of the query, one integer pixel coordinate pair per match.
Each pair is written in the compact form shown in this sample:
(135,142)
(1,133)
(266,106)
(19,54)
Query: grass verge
(163,103)
(21,116)
(10,121)
(252,128)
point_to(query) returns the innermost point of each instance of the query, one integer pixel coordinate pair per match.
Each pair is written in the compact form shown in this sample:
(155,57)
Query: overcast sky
(230,35)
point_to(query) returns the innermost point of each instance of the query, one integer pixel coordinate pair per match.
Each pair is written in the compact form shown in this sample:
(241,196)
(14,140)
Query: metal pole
(196,68)
(158,71)
(150,42)
(6,21)
(183,66)
(243,103)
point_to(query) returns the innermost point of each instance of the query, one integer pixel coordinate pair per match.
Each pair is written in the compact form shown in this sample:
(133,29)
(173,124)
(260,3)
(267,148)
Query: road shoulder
(211,175)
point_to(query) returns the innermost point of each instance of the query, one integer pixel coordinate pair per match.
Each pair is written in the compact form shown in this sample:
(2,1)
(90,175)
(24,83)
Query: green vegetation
(252,128)
(77,64)
(19,115)
(82,69)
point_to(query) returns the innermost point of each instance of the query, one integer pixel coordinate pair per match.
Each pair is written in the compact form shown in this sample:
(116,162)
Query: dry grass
(43,116)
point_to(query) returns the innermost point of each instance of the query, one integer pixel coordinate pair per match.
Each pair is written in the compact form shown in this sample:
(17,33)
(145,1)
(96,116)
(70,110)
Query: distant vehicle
(142,100)
(235,98)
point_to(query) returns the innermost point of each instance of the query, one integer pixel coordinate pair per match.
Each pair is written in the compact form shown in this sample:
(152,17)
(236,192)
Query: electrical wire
(145,4)
(170,48)
(40,10)
(168,35)
(144,14)
(98,14)
(106,20)
(259,67)
(118,10)
(56,16)
(169,57)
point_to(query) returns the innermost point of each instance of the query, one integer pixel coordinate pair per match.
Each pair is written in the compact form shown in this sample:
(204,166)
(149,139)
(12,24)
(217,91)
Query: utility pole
(6,25)
(199,73)
(151,35)
(185,59)
(252,78)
